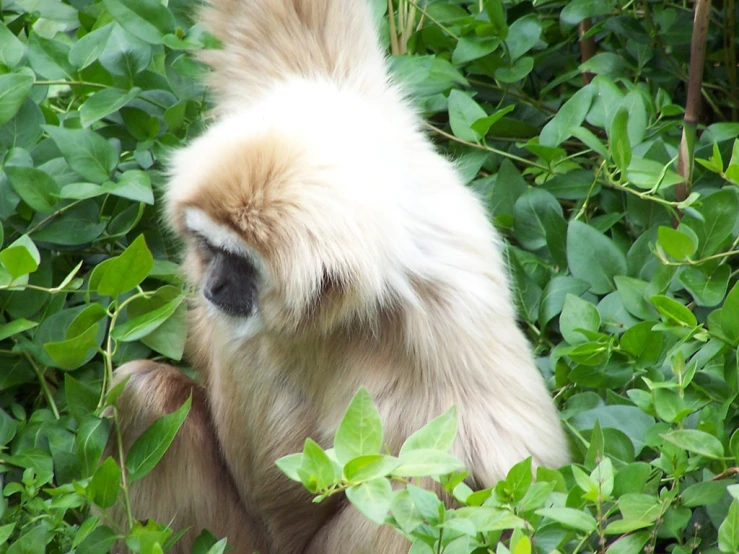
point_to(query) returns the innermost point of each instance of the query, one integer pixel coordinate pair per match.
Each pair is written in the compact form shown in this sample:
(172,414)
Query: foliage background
(627,288)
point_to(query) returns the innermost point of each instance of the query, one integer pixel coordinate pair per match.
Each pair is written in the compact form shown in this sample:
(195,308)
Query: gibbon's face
(288,226)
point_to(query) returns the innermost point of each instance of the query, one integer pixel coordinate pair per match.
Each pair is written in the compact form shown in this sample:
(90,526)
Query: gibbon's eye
(231,283)
(205,248)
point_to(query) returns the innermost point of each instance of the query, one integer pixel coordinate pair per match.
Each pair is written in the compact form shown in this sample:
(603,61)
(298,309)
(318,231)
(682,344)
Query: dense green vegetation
(566,116)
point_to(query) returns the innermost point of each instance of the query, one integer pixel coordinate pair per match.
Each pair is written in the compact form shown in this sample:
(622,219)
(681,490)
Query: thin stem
(71,83)
(486,148)
(124,475)
(57,213)
(44,384)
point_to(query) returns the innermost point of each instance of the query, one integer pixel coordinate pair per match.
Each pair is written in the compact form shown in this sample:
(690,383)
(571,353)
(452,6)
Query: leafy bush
(566,116)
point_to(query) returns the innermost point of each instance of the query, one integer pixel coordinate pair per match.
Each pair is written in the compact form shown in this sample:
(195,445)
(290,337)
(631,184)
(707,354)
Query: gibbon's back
(265,41)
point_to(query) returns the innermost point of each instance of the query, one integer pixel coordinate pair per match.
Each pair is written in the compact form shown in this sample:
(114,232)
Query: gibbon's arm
(267,41)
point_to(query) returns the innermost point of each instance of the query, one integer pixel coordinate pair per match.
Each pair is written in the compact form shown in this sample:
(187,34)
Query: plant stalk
(692,107)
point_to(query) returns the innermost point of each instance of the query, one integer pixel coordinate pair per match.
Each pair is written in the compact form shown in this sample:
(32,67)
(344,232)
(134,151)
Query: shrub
(576,123)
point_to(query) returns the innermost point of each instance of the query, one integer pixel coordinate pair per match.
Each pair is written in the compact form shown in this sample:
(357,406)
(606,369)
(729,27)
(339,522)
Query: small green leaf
(523,35)
(578,314)
(517,72)
(463,112)
(424,462)
(728,532)
(89,48)
(570,518)
(372,499)
(438,434)
(35,187)
(673,311)
(147,20)
(127,271)
(360,430)
(11,49)
(105,484)
(593,257)
(14,88)
(141,326)
(87,152)
(697,442)
(677,245)
(153,443)
(317,468)
(105,102)
(619,139)
(366,468)
(72,353)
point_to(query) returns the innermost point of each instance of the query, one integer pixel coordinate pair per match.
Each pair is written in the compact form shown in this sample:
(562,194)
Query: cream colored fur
(378,268)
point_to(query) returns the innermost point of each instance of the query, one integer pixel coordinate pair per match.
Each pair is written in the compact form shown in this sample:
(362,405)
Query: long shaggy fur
(378,269)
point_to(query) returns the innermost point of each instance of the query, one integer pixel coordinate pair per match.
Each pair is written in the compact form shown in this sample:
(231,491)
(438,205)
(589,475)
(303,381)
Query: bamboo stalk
(731,63)
(693,104)
(587,46)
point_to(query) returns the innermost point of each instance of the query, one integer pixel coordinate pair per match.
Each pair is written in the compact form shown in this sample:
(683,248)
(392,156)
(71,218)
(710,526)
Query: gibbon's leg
(350,531)
(190,486)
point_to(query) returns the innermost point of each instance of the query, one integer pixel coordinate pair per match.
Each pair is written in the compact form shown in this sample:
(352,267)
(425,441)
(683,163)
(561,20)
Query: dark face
(230,283)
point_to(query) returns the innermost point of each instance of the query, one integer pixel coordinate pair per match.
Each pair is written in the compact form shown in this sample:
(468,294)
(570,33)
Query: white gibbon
(332,248)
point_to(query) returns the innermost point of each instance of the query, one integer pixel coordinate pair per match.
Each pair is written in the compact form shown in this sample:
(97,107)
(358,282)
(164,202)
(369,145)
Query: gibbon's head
(296,211)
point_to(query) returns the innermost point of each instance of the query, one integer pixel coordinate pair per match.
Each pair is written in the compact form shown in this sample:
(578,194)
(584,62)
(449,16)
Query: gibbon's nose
(230,284)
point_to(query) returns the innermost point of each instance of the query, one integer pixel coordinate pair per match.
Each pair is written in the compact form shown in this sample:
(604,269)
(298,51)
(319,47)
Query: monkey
(331,247)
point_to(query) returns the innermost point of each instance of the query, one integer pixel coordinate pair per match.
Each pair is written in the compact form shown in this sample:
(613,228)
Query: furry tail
(270,40)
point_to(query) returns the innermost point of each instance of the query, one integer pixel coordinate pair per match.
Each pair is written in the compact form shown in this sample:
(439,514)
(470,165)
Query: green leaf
(530,217)
(697,442)
(523,35)
(518,71)
(134,185)
(569,117)
(578,314)
(153,443)
(553,297)
(728,532)
(82,397)
(593,257)
(425,462)
(87,152)
(89,48)
(19,260)
(438,434)
(35,187)
(619,144)
(141,326)
(14,88)
(366,468)
(719,211)
(679,246)
(463,112)
(105,484)
(100,540)
(673,311)
(49,58)
(72,353)
(703,494)
(372,499)
(147,20)
(570,518)
(360,430)
(577,10)
(11,49)
(92,437)
(497,17)
(629,544)
(127,271)
(706,289)
(729,318)
(31,542)
(317,470)
(289,465)
(404,511)
(105,102)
